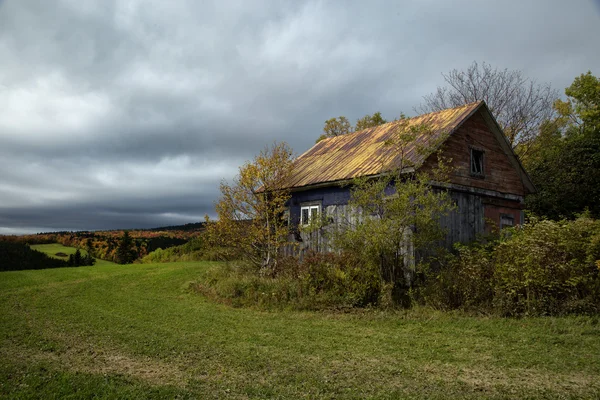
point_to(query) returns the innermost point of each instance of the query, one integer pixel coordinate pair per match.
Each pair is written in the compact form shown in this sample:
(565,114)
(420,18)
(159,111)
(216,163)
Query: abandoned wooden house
(488,183)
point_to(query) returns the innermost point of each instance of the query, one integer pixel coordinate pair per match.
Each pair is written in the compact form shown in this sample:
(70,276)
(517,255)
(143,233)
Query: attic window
(477,162)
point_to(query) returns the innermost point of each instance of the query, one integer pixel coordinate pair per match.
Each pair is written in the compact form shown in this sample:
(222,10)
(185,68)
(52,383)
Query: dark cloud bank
(127,114)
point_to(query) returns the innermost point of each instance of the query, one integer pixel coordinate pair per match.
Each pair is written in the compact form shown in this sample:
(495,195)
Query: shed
(488,183)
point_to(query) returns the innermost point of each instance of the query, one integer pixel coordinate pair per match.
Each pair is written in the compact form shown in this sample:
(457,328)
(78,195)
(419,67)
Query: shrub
(465,280)
(547,267)
(196,249)
(320,281)
(541,268)
(340,280)
(237,284)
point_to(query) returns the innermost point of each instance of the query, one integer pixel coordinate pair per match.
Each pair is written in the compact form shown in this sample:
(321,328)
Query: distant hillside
(104,244)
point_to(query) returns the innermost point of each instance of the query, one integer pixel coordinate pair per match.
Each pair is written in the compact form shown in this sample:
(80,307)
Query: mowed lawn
(53,249)
(137,331)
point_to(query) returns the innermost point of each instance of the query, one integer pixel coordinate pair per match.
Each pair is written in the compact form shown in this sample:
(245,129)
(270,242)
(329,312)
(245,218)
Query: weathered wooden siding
(500,174)
(325,197)
(466,222)
(475,214)
(333,201)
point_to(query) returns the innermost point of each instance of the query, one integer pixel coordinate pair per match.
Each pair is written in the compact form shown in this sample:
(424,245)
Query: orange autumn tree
(251,211)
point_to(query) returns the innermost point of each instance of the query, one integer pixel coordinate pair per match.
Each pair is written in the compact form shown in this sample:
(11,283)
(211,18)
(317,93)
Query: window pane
(304,216)
(476,162)
(506,220)
(314,214)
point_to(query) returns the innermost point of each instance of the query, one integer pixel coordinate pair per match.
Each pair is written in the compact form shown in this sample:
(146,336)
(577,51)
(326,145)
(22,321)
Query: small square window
(506,220)
(309,214)
(477,162)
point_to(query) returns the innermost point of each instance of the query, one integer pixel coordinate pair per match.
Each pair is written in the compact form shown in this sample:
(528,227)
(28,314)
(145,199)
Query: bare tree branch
(519,104)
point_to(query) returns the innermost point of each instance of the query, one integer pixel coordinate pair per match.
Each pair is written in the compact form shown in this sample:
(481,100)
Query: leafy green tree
(581,112)
(565,166)
(341,126)
(88,260)
(89,246)
(125,250)
(335,127)
(397,214)
(369,121)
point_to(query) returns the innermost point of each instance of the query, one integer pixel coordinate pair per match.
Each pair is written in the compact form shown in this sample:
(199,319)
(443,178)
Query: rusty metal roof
(366,152)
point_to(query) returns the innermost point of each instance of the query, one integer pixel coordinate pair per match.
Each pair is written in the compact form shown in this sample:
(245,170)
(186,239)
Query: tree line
(16,256)
(108,245)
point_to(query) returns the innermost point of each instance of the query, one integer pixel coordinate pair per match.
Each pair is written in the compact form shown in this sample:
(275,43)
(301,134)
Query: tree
(89,246)
(369,121)
(77,258)
(251,211)
(565,166)
(125,249)
(397,213)
(335,127)
(581,111)
(341,126)
(88,260)
(519,104)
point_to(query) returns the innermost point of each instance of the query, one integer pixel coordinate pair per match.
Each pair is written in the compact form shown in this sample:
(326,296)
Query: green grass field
(137,331)
(53,249)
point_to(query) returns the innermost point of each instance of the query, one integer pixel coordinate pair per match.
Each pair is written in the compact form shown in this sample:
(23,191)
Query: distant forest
(120,246)
(19,256)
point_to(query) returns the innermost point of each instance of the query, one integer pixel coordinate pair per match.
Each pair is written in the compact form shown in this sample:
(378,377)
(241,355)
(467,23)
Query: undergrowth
(540,268)
(320,281)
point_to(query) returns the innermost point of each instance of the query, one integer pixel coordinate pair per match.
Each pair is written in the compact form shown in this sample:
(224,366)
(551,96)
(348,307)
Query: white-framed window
(309,214)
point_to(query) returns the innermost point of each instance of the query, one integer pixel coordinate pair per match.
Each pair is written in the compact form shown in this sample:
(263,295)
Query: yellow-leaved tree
(251,210)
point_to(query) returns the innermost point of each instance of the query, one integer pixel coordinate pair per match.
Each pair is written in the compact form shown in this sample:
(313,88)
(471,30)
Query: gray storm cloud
(125,114)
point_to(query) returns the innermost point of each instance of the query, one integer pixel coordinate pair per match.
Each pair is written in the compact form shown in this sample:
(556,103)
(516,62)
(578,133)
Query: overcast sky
(128,114)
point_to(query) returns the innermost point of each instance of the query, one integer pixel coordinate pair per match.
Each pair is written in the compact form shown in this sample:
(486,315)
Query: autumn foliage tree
(251,211)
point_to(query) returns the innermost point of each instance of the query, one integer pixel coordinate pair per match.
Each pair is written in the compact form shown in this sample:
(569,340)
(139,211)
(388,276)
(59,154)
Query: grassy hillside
(136,331)
(53,249)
